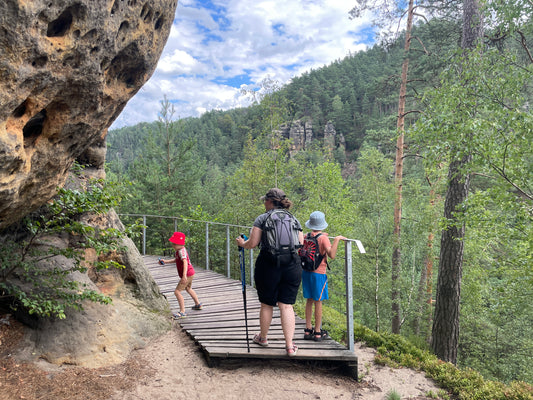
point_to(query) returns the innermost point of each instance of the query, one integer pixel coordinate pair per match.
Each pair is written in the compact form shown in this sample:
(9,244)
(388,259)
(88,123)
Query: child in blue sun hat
(315,283)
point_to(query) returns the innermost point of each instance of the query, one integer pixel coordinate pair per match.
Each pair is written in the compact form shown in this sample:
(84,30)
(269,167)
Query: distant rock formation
(301,134)
(67,69)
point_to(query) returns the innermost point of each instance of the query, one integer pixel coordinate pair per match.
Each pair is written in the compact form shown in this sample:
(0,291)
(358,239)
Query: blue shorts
(315,286)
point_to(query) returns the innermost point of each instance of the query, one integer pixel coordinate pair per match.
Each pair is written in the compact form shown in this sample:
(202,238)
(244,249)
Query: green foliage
(37,274)
(481,108)
(396,351)
(393,395)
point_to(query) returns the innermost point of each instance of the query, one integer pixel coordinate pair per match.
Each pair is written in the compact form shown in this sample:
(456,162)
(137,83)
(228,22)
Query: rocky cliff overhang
(67,69)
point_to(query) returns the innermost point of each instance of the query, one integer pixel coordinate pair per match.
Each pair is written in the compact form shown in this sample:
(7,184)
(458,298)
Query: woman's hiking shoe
(320,335)
(179,315)
(197,306)
(292,350)
(260,341)
(309,334)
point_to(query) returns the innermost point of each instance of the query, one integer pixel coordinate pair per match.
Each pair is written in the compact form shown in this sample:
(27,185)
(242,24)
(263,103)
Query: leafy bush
(396,351)
(48,289)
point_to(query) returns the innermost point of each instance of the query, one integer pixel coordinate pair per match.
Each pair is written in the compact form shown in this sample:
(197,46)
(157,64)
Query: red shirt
(181,255)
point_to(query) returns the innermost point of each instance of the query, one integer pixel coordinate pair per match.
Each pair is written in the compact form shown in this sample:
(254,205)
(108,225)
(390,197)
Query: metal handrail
(348,268)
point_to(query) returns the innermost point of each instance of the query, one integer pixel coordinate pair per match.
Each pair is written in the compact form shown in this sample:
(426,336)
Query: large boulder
(67,69)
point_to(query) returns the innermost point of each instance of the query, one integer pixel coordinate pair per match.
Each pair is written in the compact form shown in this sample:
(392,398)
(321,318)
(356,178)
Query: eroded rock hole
(90,35)
(114,8)
(123,26)
(20,110)
(159,23)
(33,128)
(39,61)
(61,25)
(146,12)
(127,67)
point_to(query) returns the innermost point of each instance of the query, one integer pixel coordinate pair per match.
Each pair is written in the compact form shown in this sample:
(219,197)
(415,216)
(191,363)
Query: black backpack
(281,233)
(310,257)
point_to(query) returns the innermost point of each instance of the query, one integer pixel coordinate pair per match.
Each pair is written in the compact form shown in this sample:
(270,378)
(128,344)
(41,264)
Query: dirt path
(182,373)
(172,367)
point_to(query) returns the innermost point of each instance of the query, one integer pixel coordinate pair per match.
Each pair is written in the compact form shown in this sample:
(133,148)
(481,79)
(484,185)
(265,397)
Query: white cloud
(179,62)
(216,46)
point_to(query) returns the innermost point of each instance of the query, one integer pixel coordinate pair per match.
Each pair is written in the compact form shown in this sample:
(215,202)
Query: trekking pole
(243,280)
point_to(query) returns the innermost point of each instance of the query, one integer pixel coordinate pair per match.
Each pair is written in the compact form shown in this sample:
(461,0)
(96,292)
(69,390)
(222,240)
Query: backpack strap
(322,255)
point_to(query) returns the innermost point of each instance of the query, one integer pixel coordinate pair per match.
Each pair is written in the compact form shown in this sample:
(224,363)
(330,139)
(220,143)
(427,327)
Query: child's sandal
(320,335)
(179,315)
(309,334)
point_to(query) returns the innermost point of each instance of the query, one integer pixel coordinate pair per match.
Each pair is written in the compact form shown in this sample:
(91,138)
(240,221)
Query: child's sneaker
(197,306)
(179,315)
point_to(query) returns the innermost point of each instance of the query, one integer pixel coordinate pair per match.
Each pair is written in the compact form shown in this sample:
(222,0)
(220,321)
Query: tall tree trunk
(445,332)
(422,323)
(429,287)
(398,175)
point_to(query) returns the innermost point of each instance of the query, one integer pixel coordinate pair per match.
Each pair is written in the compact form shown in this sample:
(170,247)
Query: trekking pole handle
(245,238)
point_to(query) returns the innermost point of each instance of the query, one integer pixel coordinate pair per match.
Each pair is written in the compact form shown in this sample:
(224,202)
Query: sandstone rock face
(301,134)
(329,136)
(67,69)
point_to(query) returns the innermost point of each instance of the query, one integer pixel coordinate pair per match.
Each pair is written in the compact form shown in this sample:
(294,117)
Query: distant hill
(357,94)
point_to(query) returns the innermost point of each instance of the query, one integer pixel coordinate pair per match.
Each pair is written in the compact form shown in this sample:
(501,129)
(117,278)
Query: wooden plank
(219,328)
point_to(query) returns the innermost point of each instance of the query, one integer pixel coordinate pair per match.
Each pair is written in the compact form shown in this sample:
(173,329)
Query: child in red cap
(185,271)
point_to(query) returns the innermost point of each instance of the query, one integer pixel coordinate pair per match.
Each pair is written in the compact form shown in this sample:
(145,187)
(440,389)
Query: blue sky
(218,47)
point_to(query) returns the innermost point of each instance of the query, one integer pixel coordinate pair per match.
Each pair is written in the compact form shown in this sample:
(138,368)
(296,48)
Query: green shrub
(396,351)
(47,290)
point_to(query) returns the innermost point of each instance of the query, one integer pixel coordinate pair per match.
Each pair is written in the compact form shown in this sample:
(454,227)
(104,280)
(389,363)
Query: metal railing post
(207,246)
(228,264)
(349,294)
(144,235)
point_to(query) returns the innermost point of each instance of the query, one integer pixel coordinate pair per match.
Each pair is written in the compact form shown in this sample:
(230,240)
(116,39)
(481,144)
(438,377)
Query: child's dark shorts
(275,283)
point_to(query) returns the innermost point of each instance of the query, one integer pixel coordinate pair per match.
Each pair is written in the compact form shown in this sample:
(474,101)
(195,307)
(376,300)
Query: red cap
(178,238)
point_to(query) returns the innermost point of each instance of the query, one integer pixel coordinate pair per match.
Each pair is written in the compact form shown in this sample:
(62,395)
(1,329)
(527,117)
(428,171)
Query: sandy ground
(181,372)
(173,367)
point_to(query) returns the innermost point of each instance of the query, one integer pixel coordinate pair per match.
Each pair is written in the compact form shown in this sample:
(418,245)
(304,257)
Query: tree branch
(421,44)
(524,42)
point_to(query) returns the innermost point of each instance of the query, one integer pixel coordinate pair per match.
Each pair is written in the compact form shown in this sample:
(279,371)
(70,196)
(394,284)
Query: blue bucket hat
(317,221)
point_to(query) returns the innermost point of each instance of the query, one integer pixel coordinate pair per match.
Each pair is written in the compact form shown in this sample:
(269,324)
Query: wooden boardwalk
(219,328)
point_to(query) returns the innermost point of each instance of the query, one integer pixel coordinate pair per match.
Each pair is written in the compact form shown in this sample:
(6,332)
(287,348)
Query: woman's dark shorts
(275,283)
